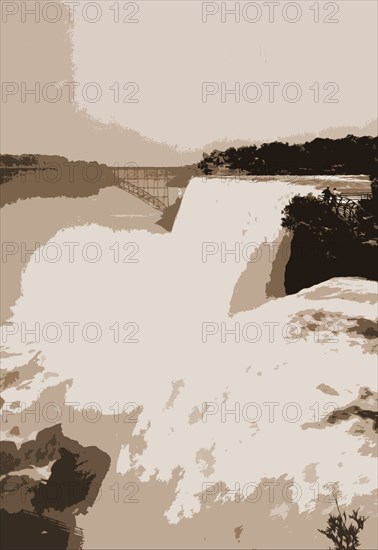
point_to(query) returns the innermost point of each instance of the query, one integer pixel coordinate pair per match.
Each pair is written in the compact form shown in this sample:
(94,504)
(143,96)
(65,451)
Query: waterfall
(207,369)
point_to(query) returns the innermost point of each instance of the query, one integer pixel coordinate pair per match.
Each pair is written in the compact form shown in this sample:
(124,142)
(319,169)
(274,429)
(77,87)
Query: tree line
(349,155)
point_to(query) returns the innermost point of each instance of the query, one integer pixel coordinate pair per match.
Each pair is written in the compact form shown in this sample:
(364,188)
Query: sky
(158,82)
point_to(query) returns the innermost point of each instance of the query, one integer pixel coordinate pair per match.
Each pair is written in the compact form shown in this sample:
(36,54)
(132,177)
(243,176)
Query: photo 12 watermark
(70,412)
(270,332)
(272,412)
(70,332)
(70,11)
(70,252)
(270,12)
(270,92)
(69,92)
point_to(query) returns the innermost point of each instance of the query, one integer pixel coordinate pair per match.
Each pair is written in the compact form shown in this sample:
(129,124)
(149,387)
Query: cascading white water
(181,304)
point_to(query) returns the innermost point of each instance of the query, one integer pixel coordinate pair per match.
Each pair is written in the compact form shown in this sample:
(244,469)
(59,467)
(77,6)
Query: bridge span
(147,184)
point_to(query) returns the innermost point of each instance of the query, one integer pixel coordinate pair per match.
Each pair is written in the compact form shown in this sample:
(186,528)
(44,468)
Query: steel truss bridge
(150,185)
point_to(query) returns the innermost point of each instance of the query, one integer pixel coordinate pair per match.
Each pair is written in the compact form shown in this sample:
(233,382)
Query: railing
(346,205)
(357,196)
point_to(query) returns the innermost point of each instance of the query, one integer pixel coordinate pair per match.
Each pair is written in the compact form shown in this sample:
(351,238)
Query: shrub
(343,535)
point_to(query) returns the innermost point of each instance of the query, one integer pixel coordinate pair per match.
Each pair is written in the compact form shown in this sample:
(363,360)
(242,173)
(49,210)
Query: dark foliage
(326,245)
(349,155)
(344,536)
(71,475)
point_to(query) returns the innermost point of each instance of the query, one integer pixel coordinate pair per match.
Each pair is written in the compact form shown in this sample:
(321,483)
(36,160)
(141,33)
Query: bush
(343,536)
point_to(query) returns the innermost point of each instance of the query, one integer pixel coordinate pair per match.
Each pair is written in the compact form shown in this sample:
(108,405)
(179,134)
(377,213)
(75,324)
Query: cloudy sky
(154,80)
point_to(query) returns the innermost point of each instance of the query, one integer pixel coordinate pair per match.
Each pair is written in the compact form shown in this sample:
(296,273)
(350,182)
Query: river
(232,383)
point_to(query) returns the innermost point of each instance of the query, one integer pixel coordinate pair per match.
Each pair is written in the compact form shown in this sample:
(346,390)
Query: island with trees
(328,239)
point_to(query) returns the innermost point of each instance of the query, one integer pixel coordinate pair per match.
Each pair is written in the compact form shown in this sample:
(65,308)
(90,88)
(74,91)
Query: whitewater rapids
(177,303)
